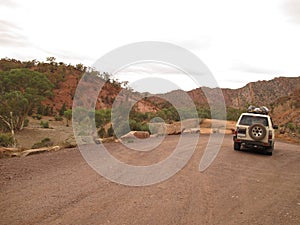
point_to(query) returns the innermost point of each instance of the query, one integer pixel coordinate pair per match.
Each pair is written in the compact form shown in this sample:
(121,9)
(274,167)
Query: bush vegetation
(68,115)
(102,133)
(24,86)
(6,140)
(26,122)
(58,118)
(21,91)
(46,142)
(44,124)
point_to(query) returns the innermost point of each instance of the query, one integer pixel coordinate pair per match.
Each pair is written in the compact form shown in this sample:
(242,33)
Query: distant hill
(256,93)
(281,94)
(286,111)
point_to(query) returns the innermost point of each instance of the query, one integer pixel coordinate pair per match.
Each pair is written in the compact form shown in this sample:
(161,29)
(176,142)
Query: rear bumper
(255,144)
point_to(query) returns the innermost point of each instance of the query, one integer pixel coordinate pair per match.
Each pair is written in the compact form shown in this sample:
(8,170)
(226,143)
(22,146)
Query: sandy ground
(59,132)
(240,187)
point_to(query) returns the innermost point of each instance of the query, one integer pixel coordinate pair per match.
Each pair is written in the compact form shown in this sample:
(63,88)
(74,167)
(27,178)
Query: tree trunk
(12,130)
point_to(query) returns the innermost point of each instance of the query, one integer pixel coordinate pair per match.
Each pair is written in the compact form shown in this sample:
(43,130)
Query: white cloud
(8,3)
(236,38)
(155,78)
(292,10)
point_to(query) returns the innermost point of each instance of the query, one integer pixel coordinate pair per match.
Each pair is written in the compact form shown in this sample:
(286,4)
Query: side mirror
(275,126)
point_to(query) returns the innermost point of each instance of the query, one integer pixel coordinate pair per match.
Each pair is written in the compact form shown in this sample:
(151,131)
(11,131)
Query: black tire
(269,150)
(269,153)
(257,132)
(237,146)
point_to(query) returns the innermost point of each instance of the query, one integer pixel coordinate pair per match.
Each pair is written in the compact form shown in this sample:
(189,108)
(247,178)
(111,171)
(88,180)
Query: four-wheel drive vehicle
(255,129)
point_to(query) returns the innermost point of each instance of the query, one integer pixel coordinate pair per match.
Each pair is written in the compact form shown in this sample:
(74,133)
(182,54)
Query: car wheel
(237,146)
(269,153)
(257,132)
(269,150)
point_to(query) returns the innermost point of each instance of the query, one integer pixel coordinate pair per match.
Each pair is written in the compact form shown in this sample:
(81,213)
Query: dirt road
(238,188)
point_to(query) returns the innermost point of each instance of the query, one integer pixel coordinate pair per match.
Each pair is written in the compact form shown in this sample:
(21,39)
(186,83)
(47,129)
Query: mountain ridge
(66,78)
(264,92)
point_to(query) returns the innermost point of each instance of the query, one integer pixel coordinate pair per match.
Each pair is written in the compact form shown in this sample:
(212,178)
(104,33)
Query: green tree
(62,109)
(79,67)
(51,59)
(13,111)
(102,117)
(68,115)
(21,90)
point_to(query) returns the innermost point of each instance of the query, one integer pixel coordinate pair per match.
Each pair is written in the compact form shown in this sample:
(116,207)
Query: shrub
(234,114)
(26,122)
(204,113)
(291,126)
(145,127)
(110,132)
(63,109)
(102,133)
(58,118)
(46,142)
(38,116)
(68,115)
(6,140)
(102,117)
(44,124)
(138,126)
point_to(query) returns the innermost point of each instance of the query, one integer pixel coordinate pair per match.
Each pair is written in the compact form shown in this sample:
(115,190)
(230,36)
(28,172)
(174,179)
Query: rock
(173,129)
(191,131)
(70,142)
(135,134)
(97,141)
(141,134)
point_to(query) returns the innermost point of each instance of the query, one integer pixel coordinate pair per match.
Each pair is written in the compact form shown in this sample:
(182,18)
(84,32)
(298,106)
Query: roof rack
(258,110)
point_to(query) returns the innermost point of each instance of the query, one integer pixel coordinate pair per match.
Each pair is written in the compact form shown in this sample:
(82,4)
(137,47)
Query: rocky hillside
(286,112)
(255,93)
(280,94)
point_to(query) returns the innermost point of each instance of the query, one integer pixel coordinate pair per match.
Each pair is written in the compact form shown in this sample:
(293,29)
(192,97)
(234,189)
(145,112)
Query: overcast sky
(240,41)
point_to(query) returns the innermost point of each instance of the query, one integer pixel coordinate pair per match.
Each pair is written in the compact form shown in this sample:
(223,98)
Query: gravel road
(240,187)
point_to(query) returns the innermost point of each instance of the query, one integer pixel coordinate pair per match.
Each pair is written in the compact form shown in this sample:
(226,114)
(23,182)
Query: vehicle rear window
(249,120)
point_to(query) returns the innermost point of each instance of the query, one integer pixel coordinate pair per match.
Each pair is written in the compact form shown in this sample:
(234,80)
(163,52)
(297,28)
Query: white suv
(255,129)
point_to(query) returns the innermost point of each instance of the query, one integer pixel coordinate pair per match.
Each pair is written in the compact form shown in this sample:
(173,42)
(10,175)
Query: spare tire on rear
(257,132)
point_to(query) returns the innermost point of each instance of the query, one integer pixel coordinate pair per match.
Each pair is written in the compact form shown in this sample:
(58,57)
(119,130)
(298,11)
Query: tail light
(270,135)
(236,131)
